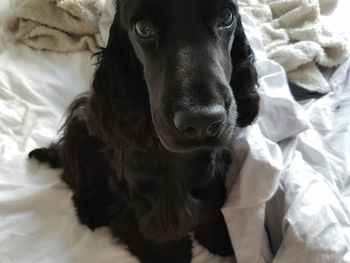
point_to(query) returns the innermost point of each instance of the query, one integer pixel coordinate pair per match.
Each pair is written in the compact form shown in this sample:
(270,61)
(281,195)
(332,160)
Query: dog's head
(178,70)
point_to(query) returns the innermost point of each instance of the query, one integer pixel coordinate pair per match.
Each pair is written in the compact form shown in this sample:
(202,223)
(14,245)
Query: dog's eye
(144,28)
(225,18)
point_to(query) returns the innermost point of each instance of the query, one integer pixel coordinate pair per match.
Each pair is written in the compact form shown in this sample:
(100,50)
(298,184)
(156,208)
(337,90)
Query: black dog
(145,152)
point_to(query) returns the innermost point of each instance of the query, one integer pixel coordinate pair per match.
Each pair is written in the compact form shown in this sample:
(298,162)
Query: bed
(300,209)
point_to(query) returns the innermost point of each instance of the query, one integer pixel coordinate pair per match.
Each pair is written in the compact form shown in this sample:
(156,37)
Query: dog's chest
(168,168)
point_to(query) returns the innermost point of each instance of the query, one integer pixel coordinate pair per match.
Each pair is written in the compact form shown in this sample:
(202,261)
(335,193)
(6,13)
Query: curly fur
(124,174)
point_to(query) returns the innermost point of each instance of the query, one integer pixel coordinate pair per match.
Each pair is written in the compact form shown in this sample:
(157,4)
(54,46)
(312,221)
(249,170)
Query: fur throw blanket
(293,35)
(56,25)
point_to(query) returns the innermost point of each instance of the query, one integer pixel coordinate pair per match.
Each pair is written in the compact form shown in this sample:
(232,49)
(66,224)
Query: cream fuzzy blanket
(293,35)
(292,31)
(56,25)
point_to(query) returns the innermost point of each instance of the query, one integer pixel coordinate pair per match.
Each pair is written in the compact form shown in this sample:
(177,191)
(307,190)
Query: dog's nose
(203,123)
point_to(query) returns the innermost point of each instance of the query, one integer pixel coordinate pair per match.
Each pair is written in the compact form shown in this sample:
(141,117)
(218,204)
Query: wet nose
(203,123)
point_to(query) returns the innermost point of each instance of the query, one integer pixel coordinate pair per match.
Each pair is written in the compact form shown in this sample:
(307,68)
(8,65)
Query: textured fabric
(294,35)
(288,196)
(56,25)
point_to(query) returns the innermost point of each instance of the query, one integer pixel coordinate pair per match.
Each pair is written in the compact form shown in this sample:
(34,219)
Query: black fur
(127,164)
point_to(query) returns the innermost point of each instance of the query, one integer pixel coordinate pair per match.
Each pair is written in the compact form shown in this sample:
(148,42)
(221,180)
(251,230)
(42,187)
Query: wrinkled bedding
(289,184)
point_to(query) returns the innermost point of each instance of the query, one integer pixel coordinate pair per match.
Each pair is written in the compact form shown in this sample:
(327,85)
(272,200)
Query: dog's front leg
(92,210)
(179,251)
(213,235)
(125,228)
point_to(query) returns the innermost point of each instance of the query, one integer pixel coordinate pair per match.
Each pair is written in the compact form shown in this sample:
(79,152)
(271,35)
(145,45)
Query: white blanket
(306,221)
(59,25)
(295,35)
(304,154)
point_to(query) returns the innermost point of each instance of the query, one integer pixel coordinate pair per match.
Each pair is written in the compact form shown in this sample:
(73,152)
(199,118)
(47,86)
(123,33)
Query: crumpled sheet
(315,182)
(297,156)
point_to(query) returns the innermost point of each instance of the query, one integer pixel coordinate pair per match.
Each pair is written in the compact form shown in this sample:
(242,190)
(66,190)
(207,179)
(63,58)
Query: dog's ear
(118,110)
(244,78)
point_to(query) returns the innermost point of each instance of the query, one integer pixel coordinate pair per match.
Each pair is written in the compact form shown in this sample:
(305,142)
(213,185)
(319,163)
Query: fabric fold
(294,35)
(56,25)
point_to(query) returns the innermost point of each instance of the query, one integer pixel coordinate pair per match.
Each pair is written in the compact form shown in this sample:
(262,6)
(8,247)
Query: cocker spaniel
(147,150)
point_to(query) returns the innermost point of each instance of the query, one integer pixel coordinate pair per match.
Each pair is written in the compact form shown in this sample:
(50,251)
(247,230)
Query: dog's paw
(184,252)
(91,212)
(92,221)
(46,155)
(172,252)
(214,236)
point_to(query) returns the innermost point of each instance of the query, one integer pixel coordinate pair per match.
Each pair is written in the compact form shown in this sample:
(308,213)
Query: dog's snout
(203,123)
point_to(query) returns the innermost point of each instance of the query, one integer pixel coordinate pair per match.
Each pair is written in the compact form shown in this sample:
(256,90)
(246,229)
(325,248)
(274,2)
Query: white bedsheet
(303,153)
(308,219)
